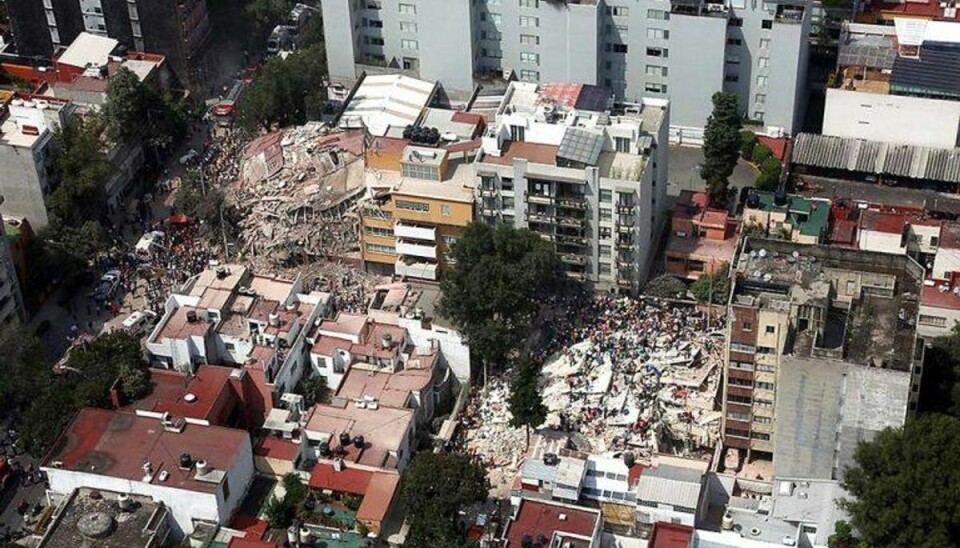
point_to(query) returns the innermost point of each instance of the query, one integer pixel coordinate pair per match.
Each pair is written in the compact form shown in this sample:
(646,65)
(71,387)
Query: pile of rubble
(296,193)
(618,374)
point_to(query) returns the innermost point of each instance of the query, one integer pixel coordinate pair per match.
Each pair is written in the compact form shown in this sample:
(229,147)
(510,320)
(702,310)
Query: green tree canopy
(80,169)
(940,384)
(665,287)
(268,13)
(721,146)
(493,293)
(433,490)
(205,204)
(288,91)
(713,288)
(314,389)
(26,369)
(91,371)
(137,112)
(903,485)
(526,401)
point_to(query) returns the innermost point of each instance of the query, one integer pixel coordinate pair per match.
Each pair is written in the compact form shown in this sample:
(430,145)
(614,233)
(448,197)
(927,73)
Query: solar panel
(580,145)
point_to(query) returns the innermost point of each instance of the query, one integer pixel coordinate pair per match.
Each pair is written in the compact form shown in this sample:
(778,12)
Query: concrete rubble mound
(297,191)
(617,374)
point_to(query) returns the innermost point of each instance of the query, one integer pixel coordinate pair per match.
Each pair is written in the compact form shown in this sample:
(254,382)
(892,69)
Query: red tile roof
(633,474)
(777,145)
(467,118)
(348,480)
(563,94)
(540,518)
(950,236)
(934,297)
(883,221)
(714,218)
(670,535)
(117,444)
(380,493)
(273,447)
(210,388)
(532,152)
(844,232)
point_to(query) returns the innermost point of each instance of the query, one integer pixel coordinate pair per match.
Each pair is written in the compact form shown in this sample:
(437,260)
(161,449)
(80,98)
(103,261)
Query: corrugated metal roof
(670,485)
(916,162)
(935,71)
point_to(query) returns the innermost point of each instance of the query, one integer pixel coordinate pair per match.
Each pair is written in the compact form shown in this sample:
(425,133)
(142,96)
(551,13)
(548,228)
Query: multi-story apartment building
(587,175)
(178,29)
(12,310)
(684,51)
(792,302)
(27,125)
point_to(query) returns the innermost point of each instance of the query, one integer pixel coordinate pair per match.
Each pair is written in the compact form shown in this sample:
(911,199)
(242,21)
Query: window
(420,171)
(605,250)
(618,11)
(617,29)
(492,54)
(529,3)
(408,26)
(606,196)
(656,70)
(381,249)
(445,210)
(226,489)
(760,402)
(933,320)
(529,75)
(529,40)
(765,385)
(617,48)
(735,22)
(763,62)
(606,214)
(739,416)
(657,52)
(766,368)
(764,43)
(761,81)
(658,34)
(605,233)
(658,14)
(732,398)
(747,326)
(746,366)
(496,18)
(374,5)
(740,347)
(737,432)
(408,9)
(528,57)
(732,59)
(731,78)
(766,24)
(529,22)
(655,88)
(412,206)
(378,231)
(761,98)
(490,35)
(406,43)
(622,143)
(605,268)
(762,420)
(734,42)
(770,329)
(741,382)
(372,41)
(517,133)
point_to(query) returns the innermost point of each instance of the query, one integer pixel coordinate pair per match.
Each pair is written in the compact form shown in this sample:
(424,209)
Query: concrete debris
(297,192)
(617,374)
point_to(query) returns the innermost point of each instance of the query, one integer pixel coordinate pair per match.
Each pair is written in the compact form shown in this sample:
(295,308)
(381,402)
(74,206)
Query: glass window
(617,48)
(606,214)
(406,43)
(606,195)
(412,206)
(408,9)
(529,40)
(618,11)
(657,52)
(655,88)
(658,34)
(445,210)
(761,81)
(763,62)
(408,26)
(764,43)
(529,22)
(605,268)
(656,70)
(529,57)
(496,18)
(767,24)
(529,75)
(658,14)
(529,3)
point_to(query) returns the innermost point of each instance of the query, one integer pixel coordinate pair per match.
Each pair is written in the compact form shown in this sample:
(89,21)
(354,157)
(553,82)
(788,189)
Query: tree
(279,512)
(902,485)
(748,141)
(769,177)
(713,288)
(136,112)
(206,205)
(665,287)
(26,369)
(314,389)
(526,401)
(721,146)
(288,91)
(268,13)
(493,293)
(80,169)
(940,384)
(842,536)
(433,491)
(311,35)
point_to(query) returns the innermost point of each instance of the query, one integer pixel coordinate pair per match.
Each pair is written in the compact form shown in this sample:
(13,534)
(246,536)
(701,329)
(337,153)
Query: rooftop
(88,49)
(670,535)
(117,444)
(384,430)
(178,326)
(674,485)
(389,389)
(376,487)
(202,396)
(87,512)
(809,501)
(868,299)
(811,215)
(538,520)
(826,407)
(385,101)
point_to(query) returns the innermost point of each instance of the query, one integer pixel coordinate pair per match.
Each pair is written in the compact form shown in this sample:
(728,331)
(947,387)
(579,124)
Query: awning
(178,219)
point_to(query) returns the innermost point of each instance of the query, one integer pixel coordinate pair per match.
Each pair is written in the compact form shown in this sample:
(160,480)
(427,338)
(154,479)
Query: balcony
(626,209)
(415,232)
(571,222)
(572,240)
(628,284)
(572,203)
(488,192)
(540,217)
(417,250)
(624,229)
(626,265)
(488,212)
(624,244)
(413,269)
(539,199)
(570,258)
(579,276)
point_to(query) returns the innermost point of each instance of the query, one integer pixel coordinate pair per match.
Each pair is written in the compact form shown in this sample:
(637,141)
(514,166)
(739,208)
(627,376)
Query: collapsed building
(297,189)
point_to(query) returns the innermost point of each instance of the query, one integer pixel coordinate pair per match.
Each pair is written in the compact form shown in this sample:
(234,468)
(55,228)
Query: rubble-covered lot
(618,374)
(297,190)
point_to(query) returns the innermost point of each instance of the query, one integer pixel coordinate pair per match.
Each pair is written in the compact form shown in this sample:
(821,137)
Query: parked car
(107,287)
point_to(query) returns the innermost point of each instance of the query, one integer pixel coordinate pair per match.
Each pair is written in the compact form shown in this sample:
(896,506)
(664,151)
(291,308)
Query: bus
(225,110)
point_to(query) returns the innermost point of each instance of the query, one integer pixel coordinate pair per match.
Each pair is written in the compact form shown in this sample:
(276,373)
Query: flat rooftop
(385,101)
(177,326)
(825,408)
(97,509)
(202,396)
(117,444)
(870,298)
(384,429)
(389,389)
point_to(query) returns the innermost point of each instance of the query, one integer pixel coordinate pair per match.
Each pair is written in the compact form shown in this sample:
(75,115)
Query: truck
(225,110)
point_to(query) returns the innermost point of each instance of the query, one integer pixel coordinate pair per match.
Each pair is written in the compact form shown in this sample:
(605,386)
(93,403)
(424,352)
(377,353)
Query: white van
(139,322)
